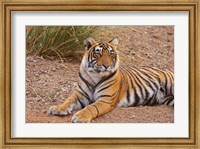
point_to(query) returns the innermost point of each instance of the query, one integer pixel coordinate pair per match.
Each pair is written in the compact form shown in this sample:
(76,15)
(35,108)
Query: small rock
(54,100)
(43,100)
(170,33)
(36,75)
(27,92)
(133,53)
(53,69)
(132,116)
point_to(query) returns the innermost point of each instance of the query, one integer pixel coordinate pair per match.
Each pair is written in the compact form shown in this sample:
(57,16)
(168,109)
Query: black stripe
(82,105)
(128,95)
(137,99)
(162,90)
(156,69)
(150,71)
(151,101)
(120,86)
(130,77)
(86,82)
(93,60)
(111,81)
(89,55)
(147,74)
(115,60)
(83,91)
(167,99)
(92,63)
(121,80)
(155,75)
(140,85)
(170,78)
(153,79)
(170,100)
(104,96)
(96,109)
(110,76)
(166,82)
(89,76)
(104,88)
(132,86)
(113,95)
(170,83)
(146,83)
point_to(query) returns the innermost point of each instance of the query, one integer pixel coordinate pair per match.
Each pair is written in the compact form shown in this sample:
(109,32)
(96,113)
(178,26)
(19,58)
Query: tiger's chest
(98,85)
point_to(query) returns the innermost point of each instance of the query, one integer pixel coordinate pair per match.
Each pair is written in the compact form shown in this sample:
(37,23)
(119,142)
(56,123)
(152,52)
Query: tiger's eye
(97,50)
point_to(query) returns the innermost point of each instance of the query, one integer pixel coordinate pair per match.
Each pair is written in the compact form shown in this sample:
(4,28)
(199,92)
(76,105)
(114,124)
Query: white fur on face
(98,48)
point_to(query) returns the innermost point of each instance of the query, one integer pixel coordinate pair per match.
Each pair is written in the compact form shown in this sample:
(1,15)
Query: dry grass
(59,41)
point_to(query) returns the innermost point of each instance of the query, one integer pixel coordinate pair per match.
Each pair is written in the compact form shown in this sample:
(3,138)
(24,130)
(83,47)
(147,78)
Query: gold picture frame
(192,142)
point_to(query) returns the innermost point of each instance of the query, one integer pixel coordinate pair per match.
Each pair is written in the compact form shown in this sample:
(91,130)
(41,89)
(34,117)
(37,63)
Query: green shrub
(59,41)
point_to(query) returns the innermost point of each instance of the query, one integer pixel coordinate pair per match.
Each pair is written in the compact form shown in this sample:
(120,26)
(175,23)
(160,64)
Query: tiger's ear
(89,42)
(114,42)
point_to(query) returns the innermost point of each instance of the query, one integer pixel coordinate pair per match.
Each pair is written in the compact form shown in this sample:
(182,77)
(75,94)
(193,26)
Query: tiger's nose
(106,65)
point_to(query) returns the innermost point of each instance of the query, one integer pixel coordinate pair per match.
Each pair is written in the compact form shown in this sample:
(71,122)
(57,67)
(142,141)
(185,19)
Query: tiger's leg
(75,101)
(92,111)
(163,98)
(168,100)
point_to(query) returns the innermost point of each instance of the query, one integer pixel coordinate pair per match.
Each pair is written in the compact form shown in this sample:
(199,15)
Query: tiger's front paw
(59,110)
(81,117)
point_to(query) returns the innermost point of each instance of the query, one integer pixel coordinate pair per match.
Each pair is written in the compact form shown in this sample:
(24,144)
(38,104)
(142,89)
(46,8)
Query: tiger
(103,84)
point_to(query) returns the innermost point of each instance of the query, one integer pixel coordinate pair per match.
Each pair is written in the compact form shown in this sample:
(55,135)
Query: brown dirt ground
(50,81)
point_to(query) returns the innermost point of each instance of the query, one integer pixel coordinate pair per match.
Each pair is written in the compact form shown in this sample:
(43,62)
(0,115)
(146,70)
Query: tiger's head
(101,58)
